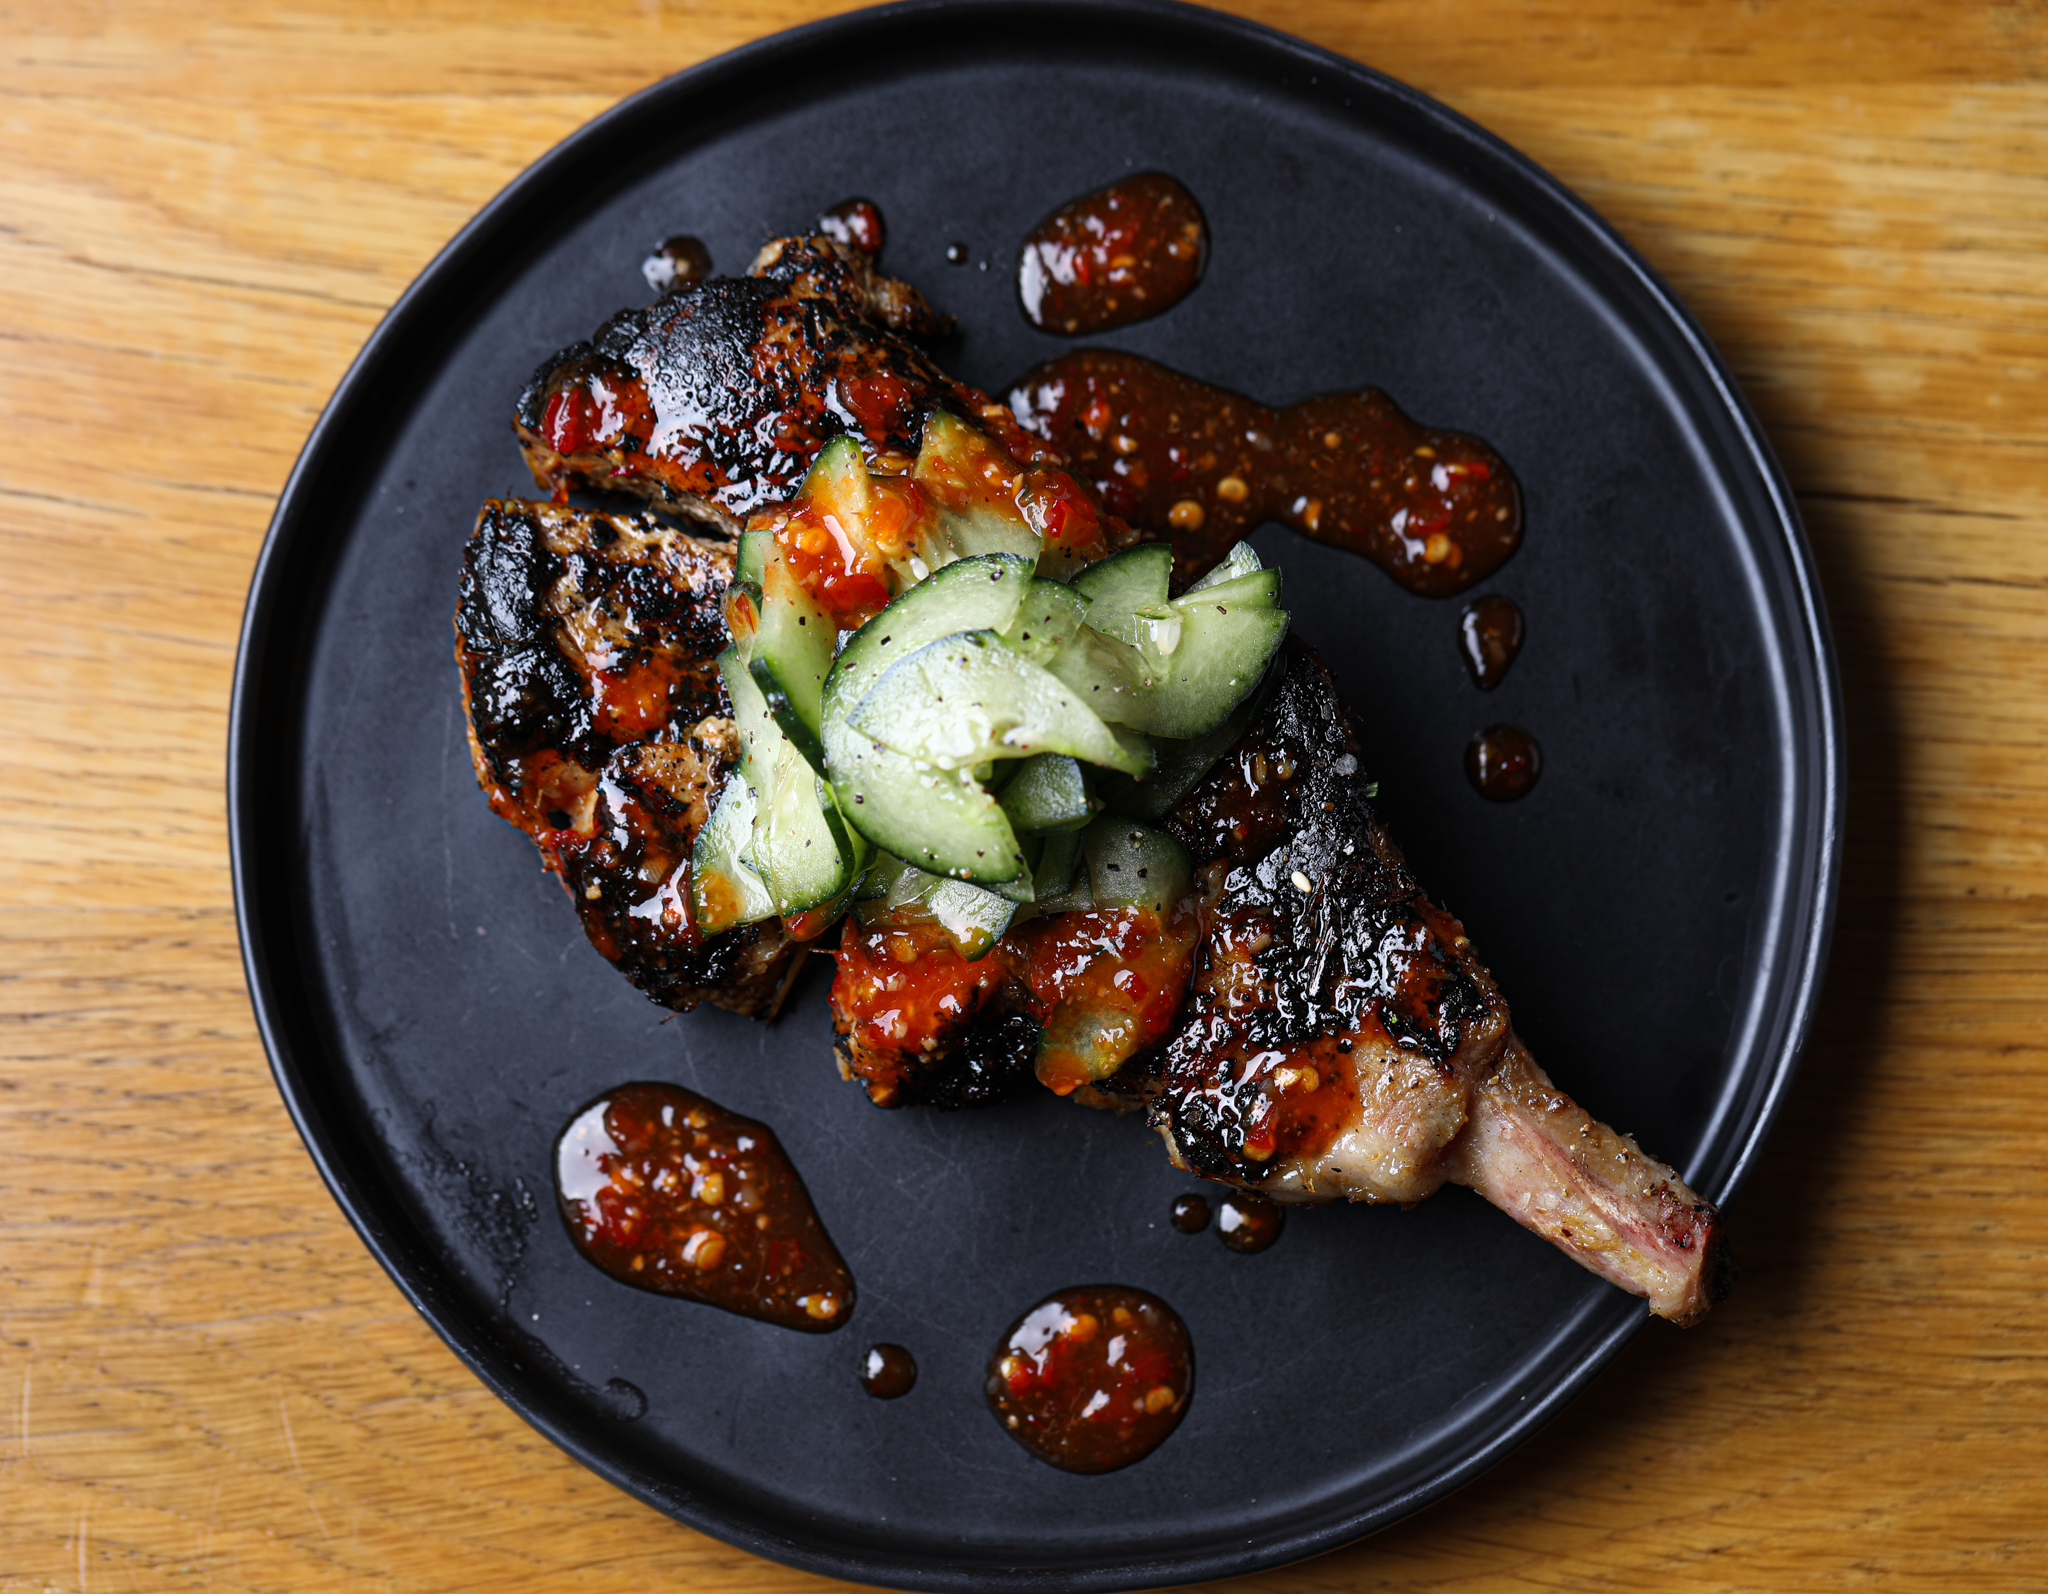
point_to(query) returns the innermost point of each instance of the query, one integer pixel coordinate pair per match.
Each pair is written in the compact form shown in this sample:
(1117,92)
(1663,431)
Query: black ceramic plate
(1656,911)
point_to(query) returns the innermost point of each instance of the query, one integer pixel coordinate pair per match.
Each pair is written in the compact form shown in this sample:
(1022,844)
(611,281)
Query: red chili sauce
(1249,1222)
(1201,466)
(888,1372)
(1502,762)
(1489,637)
(1121,254)
(854,221)
(1104,982)
(669,1192)
(676,263)
(1092,1378)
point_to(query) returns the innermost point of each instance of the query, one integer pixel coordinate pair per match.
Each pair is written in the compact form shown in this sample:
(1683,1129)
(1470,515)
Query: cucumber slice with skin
(966,699)
(1050,616)
(1116,587)
(1240,561)
(799,846)
(791,654)
(837,483)
(971,514)
(1049,792)
(752,553)
(973,918)
(1182,764)
(1132,865)
(1255,588)
(1061,883)
(724,890)
(943,822)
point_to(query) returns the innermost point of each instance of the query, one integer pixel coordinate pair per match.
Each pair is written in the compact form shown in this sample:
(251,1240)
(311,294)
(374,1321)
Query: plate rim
(1813,772)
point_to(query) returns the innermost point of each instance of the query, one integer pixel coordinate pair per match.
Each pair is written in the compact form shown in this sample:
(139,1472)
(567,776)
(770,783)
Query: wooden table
(206,1383)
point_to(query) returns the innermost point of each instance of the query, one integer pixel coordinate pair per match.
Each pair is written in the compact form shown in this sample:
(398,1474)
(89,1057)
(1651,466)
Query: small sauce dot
(676,263)
(1502,762)
(856,222)
(888,1372)
(956,254)
(1248,1222)
(1190,1214)
(1489,636)
(1092,1378)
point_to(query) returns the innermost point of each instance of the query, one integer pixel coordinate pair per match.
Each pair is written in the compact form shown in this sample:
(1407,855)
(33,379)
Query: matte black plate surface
(1656,911)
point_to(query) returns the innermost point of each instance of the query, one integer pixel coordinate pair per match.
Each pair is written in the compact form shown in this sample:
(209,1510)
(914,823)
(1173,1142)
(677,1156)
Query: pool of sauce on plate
(888,1372)
(676,263)
(1092,1378)
(1190,1213)
(1490,634)
(1248,1222)
(1200,466)
(665,1190)
(1502,762)
(1120,254)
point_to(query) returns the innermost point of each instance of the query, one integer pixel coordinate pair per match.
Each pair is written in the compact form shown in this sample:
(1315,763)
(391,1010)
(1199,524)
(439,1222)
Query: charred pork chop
(1338,1039)
(599,726)
(714,400)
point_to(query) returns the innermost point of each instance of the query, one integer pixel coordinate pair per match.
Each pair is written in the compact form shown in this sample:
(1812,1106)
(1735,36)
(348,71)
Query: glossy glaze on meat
(1340,1039)
(714,400)
(598,725)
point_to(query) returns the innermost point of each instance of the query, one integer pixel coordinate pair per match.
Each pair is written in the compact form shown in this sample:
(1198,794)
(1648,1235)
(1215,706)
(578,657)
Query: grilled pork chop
(714,400)
(1339,1038)
(599,726)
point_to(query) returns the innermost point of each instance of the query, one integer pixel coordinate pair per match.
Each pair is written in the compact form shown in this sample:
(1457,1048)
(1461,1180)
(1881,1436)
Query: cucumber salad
(945,708)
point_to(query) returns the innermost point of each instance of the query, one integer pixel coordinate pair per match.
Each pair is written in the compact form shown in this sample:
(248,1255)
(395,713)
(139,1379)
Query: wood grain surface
(206,1383)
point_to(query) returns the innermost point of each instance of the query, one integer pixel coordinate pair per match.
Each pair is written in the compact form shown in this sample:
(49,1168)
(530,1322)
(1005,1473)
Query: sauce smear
(1114,256)
(667,1191)
(1201,466)
(1092,1378)
(1489,636)
(888,1372)
(1502,762)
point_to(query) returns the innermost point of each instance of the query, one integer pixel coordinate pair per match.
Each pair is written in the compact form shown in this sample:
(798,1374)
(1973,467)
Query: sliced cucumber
(1222,656)
(837,483)
(972,515)
(1117,587)
(1240,561)
(1061,883)
(1133,865)
(724,889)
(1182,764)
(967,699)
(800,847)
(1256,588)
(981,594)
(1046,621)
(943,822)
(973,918)
(791,654)
(752,554)
(1049,792)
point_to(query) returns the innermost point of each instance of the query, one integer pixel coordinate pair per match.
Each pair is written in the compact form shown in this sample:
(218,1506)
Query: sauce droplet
(1248,1222)
(856,222)
(1502,762)
(1190,1214)
(676,263)
(956,254)
(1092,1378)
(1200,466)
(1120,254)
(1489,636)
(667,1191)
(888,1372)
(625,1399)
